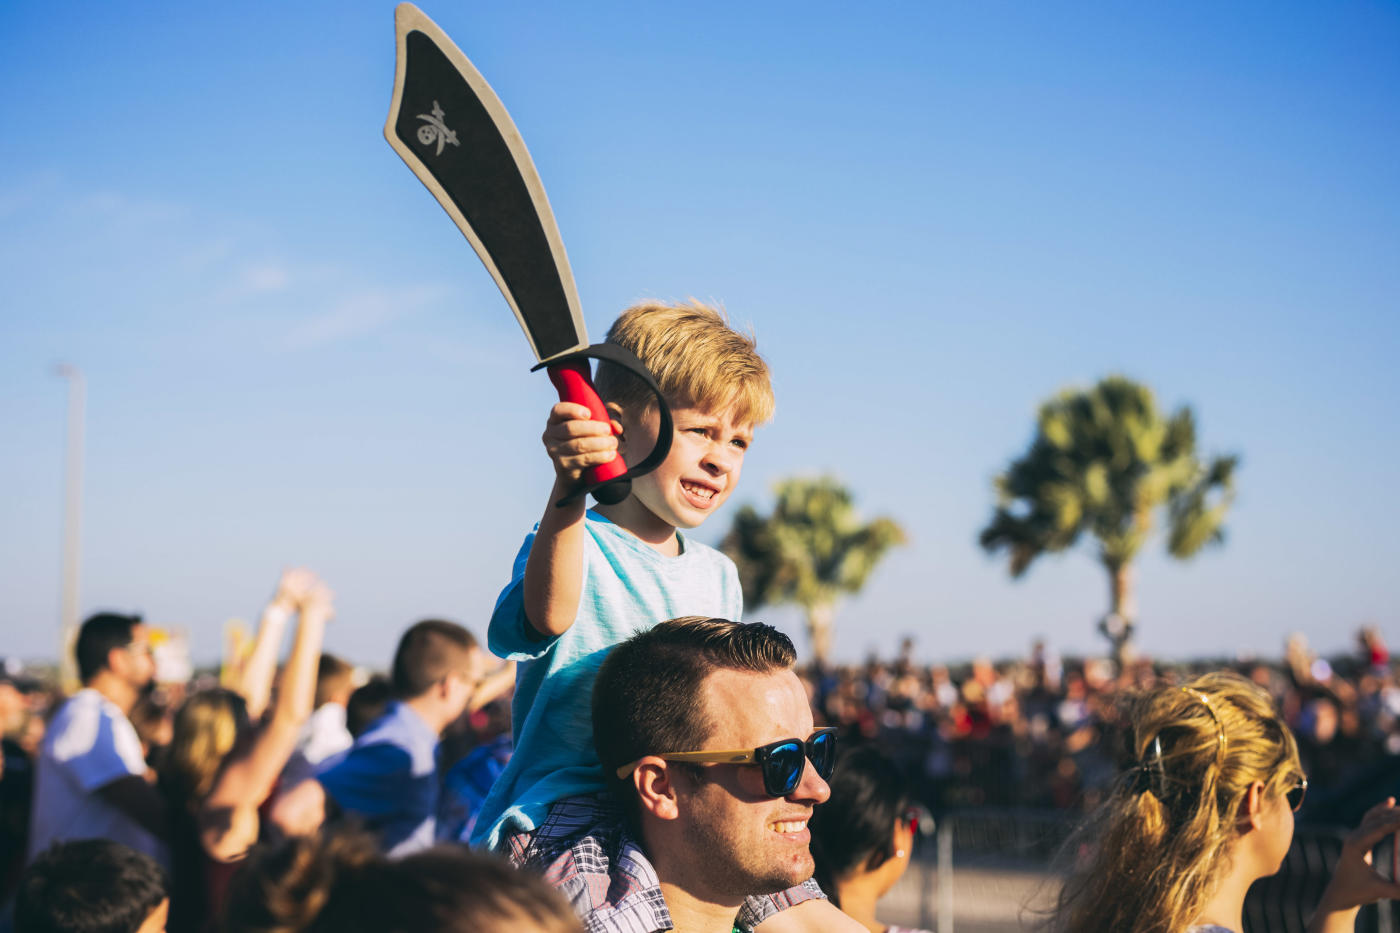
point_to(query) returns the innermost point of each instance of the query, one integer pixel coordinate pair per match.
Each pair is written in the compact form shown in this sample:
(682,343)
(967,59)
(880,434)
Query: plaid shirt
(584,850)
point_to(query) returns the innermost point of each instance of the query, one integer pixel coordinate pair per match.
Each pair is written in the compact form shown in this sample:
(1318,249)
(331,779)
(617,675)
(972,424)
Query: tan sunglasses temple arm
(738,756)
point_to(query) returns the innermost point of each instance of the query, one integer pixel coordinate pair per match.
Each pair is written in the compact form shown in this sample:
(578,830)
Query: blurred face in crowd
(462,683)
(745,842)
(134,662)
(11,708)
(1324,725)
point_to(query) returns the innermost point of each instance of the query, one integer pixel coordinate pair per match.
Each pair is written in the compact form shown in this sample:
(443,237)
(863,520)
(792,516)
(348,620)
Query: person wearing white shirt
(90,779)
(325,734)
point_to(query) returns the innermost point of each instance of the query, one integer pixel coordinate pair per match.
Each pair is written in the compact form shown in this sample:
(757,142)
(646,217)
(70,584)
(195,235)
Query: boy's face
(701,470)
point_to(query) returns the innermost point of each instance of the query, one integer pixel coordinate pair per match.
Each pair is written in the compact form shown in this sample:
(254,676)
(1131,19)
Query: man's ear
(655,785)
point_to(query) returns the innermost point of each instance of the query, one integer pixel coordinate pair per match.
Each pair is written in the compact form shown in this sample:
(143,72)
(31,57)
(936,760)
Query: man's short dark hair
(88,886)
(96,639)
(367,703)
(646,698)
(428,652)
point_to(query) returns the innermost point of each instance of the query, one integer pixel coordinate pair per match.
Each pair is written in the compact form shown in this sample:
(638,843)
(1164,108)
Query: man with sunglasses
(707,736)
(90,778)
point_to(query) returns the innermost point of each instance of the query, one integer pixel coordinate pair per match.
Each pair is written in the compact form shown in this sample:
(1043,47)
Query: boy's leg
(583,850)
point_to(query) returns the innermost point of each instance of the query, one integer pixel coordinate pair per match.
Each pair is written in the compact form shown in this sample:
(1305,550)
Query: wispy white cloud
(17,197)
(114,207)
(360,315)
(158,260)
(266,277)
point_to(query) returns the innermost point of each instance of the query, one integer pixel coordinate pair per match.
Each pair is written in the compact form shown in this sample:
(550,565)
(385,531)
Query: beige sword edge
(408,18)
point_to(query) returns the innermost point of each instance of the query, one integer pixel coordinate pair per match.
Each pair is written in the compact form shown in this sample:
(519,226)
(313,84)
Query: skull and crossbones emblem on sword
(436,130)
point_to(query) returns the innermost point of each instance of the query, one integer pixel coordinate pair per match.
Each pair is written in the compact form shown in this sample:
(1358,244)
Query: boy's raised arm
(554,571)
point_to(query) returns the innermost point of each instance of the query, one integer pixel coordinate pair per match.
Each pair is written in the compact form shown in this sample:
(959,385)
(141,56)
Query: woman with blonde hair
(1205,810)
(225,756)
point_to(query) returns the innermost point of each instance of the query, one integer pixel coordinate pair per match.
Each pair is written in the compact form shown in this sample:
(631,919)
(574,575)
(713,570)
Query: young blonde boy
(586,580)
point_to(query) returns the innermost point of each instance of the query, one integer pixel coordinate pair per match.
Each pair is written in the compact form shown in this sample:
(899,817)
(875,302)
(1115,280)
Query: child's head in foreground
(718,389)
(92,886)
(341,884)
(1213,780)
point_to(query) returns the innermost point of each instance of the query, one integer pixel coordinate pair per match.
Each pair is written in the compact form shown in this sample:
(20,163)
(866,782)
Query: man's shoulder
(399,732)
(365,761)
(397,726)
(85,712)
(91,739)
(86,702)
(584,850)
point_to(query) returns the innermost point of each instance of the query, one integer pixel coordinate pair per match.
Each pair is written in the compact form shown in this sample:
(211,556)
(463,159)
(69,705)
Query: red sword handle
(610,483)
(572,380)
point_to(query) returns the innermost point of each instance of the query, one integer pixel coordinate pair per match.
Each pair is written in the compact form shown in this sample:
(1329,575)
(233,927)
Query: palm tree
(1105,461)
(811,550)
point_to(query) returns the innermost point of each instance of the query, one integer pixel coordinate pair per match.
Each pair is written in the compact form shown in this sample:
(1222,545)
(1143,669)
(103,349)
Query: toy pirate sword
(447,124)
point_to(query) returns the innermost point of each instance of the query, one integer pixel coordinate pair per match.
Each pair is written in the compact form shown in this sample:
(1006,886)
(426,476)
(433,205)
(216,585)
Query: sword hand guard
(610,482)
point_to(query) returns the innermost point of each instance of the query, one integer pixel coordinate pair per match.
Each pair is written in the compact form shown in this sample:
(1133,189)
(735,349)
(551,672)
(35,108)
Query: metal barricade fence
(990,870)
(981,870)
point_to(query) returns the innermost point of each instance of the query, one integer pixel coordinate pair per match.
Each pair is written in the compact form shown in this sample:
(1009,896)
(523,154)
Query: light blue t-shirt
(628,587)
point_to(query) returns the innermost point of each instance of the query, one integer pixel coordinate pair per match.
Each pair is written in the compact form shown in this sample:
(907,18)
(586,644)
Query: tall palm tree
(1105,461)
(811,550)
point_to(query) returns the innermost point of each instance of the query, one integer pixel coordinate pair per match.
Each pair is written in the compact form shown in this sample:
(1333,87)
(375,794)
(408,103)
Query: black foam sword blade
(453,131)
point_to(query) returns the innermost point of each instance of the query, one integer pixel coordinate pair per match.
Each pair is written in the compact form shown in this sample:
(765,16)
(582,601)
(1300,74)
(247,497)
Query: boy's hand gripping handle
(609,482)
(574,385)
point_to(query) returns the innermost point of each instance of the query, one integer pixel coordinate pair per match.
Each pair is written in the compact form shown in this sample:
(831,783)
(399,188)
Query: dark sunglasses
(1296,794)
(782,762)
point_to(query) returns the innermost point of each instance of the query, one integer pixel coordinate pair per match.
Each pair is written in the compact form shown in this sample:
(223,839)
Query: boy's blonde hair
(696,358)
(1163,838)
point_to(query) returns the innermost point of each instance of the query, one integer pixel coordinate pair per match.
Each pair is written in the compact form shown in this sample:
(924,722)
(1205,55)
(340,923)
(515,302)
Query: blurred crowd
(1044,731)
(1035,732)
(135,796)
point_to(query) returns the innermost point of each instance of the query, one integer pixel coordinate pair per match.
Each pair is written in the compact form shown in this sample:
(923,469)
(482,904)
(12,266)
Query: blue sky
(932,215)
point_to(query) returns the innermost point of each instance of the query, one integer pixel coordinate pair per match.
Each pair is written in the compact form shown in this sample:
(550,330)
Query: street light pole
(72,524)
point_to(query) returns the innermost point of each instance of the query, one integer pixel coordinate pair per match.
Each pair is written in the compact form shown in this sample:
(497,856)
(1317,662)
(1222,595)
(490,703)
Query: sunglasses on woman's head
(1295,794)
(782,762)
